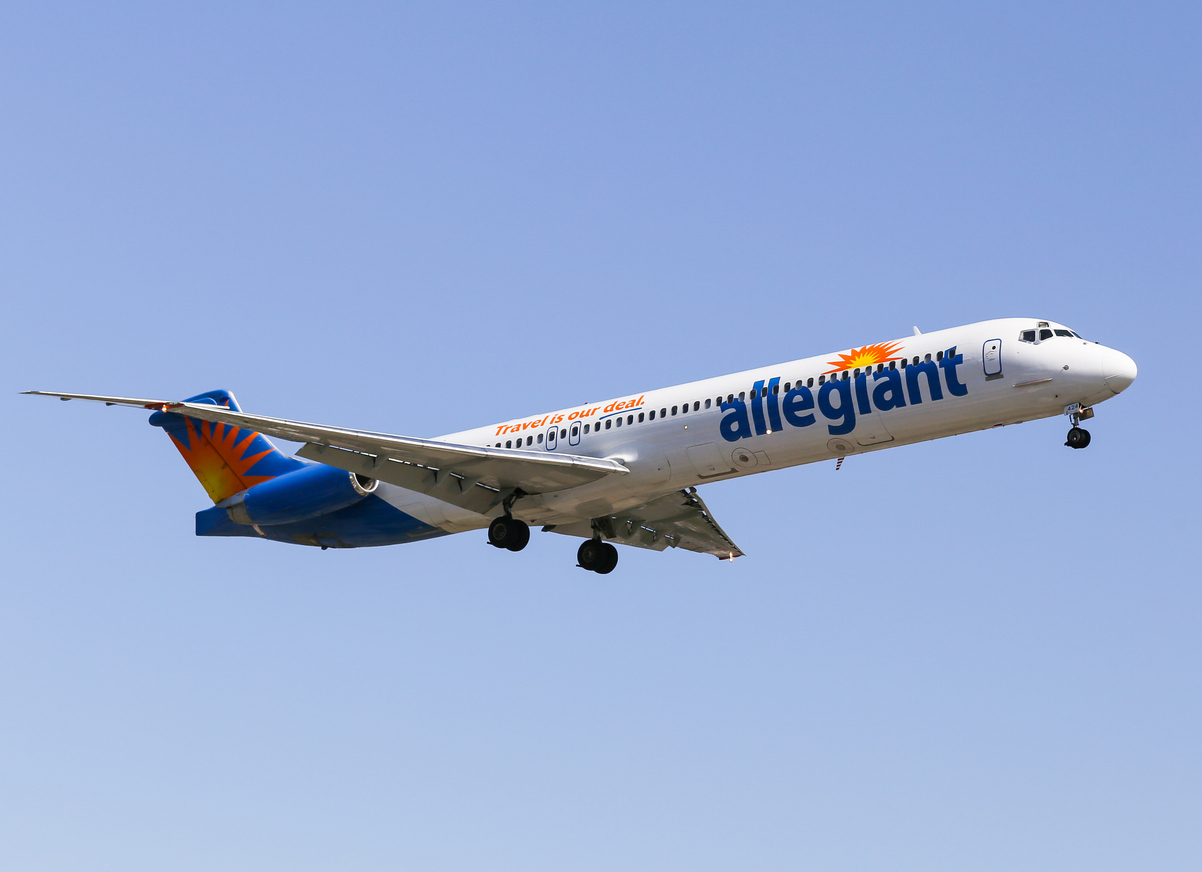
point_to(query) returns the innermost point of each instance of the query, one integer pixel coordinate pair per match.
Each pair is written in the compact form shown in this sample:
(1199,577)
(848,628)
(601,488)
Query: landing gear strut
(508,532)
(1077,437)
(597,556)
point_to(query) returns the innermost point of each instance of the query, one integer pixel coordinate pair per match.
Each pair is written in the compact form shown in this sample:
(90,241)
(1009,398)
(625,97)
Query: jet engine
(300,495)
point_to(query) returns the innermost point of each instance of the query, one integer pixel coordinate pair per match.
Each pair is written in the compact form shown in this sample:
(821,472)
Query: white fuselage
(952,381)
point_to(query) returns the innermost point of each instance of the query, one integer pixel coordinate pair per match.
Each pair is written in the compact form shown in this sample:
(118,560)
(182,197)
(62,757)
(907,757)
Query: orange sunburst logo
(216,454)
(869,355)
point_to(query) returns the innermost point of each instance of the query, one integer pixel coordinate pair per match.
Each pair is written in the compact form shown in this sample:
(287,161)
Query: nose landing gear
(1077,437)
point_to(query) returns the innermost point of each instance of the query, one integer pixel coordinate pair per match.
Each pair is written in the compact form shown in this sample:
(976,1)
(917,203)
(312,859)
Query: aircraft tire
(508,532)
(521,536)
(1077,438)
(591,554)
(610,559)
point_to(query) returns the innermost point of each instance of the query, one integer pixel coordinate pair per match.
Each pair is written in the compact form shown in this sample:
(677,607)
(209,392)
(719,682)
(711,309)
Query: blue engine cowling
(298,496)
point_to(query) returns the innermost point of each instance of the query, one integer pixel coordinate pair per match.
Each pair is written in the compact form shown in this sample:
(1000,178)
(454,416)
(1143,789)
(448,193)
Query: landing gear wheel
(609,560)
(1077,438)
(597,556)
(522,537)
(590,554)
(508,532)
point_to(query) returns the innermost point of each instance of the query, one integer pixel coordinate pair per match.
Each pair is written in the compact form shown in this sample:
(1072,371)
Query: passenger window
(618,421)
(684,409)
(809,383)
(857,372)
(927,358)
(821,379)
(893,365)
(586,426)
(846,375)
(653,414)
(540,438)
(563,434)
(508,443)
(730,398)
(939,355)
(1045,334)
(707,402)
(575,429)
(608,423)
(663,413)
(787,386)
(674,410)
(640,417)
(742,395)
(630,419)
(1027,336)
(530,439)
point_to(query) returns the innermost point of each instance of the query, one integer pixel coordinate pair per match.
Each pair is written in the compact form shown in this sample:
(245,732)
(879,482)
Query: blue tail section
(226,459)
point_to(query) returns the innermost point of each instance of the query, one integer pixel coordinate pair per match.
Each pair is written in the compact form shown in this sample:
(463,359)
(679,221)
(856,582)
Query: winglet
(917,332)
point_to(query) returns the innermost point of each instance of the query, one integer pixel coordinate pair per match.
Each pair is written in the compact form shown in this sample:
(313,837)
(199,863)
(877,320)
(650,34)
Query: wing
(472,476)
(680,520)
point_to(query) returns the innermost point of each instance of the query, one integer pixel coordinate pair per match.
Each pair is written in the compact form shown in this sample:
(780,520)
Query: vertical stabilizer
(226,459)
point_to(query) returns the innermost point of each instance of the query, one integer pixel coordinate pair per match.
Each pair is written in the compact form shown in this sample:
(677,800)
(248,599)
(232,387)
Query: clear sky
(980,653)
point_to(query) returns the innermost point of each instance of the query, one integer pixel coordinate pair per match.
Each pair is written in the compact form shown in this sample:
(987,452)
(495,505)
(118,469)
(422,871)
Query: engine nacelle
(300,495)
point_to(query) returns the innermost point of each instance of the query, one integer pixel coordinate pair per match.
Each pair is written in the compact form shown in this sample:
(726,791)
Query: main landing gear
(1078,437)
(597,556)
(508,532)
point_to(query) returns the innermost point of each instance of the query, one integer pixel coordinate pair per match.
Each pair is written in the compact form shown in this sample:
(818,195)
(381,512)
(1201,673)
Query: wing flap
(678,520)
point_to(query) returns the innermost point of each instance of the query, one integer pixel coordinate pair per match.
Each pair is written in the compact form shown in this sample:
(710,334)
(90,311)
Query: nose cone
(1120,370)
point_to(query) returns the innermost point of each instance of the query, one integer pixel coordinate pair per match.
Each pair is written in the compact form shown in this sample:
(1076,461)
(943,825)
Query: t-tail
(226,459)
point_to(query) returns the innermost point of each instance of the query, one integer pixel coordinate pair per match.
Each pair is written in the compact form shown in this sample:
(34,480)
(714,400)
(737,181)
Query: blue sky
(980,652)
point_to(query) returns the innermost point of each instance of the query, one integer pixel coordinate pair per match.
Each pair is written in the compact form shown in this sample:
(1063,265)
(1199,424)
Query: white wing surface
(472,476)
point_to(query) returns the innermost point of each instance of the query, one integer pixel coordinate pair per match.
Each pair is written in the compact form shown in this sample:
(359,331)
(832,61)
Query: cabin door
(991,356)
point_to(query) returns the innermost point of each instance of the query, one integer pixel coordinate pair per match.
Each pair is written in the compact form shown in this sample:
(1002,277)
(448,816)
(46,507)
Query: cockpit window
(1064,332)
(1027,336)
(1045,334)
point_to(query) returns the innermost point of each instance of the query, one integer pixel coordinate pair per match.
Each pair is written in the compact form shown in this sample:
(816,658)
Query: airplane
(626,470)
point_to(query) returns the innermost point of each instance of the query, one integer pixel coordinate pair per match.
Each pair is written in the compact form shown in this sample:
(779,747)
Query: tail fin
(226,459)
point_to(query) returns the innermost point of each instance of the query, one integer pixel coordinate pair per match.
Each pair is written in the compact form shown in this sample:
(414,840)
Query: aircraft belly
(431,511)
